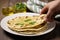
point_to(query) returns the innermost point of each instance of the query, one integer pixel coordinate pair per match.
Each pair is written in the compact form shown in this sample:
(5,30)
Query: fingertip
(44,10)
(48,19)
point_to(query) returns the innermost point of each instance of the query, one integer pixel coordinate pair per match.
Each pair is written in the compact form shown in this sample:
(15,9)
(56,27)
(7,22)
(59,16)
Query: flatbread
(25,24)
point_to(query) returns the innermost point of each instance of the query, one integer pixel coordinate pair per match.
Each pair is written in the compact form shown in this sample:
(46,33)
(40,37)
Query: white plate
(33,7)
(4,26)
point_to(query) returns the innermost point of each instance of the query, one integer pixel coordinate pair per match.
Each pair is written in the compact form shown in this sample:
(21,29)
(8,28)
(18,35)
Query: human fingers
(49,15)
(44,10)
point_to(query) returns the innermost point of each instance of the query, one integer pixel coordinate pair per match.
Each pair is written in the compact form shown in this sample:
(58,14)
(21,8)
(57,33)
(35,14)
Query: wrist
(57,0)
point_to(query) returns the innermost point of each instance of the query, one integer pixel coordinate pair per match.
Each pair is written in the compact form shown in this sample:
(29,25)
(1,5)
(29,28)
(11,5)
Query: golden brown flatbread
(25,24)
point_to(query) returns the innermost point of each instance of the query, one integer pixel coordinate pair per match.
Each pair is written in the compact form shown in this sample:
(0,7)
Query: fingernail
(47,19)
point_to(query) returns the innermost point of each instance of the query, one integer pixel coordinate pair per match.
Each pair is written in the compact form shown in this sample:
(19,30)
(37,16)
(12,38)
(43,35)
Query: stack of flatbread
(28,24)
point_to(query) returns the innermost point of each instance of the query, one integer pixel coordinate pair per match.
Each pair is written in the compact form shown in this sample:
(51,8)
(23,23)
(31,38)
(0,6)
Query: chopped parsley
(27,20)
(32,23)
(19,24)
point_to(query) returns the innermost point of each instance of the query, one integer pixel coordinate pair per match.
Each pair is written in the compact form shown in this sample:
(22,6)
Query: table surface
(54,35)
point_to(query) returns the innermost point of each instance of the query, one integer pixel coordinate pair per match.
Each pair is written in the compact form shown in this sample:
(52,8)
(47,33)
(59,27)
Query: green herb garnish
(27,20)
(32,23)
(20,6)
(19,24)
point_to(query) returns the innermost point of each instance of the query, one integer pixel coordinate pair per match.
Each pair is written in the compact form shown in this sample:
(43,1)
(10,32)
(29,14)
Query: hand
(50,9)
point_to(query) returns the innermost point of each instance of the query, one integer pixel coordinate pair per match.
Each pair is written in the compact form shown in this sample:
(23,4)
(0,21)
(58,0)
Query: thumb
(44,10)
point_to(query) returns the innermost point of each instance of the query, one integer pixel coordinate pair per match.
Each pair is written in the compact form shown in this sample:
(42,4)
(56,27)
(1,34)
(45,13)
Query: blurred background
(7,3)
(54,35)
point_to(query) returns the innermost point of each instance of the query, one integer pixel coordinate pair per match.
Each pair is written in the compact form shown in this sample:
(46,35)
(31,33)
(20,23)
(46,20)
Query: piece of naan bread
(31,24)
